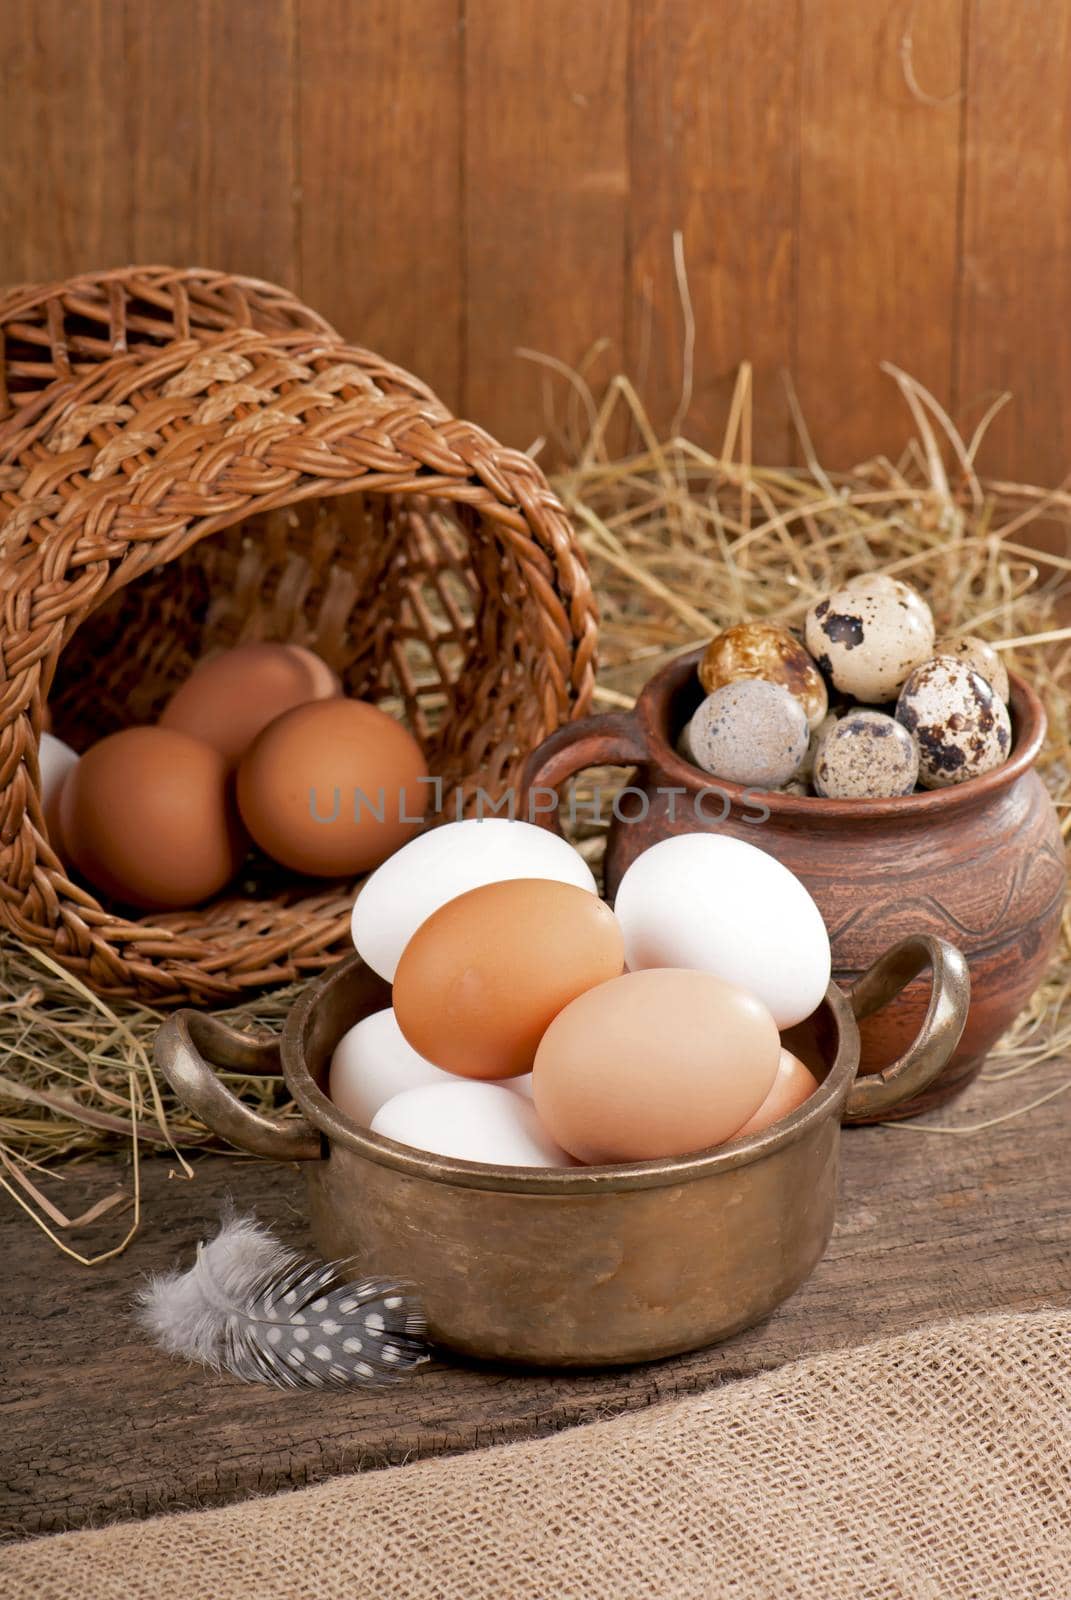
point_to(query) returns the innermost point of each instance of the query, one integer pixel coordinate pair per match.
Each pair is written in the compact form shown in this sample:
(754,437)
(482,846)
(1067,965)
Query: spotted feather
(267,1314)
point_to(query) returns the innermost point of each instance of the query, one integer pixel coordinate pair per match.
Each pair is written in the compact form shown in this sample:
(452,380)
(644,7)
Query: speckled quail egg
(751,732)
(961,726)
(768,651)
(980,657)
(867,640)
(867,755)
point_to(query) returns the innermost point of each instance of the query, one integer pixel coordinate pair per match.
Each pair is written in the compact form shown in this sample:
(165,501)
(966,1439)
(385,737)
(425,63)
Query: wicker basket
(188,460)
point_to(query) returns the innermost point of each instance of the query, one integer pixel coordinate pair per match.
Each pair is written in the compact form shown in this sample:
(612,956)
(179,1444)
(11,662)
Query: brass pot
(583,1266)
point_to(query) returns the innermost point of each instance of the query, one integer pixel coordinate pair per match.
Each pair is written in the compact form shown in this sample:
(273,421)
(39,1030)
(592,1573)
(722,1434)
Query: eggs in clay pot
(445,862)
(332,787)
(766,651)
(229,698)
(725,907)
(481,980)
(867,638)
(793,1084)
(959,723)
(55,762)
(656,1063)
(470,1121)
(145,815)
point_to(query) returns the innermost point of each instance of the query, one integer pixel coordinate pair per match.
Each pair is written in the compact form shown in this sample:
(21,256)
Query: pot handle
(946,1016)
(614,739)
(189,1047)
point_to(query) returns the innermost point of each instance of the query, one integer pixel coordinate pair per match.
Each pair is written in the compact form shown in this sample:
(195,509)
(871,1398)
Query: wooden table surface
(96,1424)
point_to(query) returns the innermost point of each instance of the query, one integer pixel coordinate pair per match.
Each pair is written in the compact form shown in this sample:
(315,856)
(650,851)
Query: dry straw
(682,541)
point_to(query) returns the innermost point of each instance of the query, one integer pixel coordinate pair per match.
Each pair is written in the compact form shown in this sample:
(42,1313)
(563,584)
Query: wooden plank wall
(448,180)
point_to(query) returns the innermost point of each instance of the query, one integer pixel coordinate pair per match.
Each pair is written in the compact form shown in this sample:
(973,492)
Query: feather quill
(267,1314)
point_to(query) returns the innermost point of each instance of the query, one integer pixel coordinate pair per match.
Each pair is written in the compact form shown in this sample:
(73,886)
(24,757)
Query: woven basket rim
(15,299)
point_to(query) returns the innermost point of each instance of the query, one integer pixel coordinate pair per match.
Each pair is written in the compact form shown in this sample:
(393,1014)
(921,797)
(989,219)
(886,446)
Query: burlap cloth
(934,1466)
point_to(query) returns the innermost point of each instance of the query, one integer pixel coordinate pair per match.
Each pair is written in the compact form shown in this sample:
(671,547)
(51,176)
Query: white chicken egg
(469,1120)
(54,760)
(714,904)
(440,865)
(373,1062)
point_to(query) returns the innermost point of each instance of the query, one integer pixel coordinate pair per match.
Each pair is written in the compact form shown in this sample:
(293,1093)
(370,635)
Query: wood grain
(1017,234)
(98,1424)
(210,90)
(714,154)
(65,202)
(450,179)
(381,202)
(879,177)
(546,187)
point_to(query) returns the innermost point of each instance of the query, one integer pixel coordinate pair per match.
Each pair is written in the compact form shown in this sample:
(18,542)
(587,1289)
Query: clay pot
(980,865)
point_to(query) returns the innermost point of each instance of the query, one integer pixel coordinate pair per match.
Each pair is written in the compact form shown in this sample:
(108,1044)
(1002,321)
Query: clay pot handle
(190,1045)
(612,740)
(946,1015)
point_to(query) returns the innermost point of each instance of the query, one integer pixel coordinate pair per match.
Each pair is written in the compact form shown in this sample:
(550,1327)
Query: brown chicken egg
(482,979)
(146,816)
(794,1084)
(229,698)
(332,788)
(656,1063)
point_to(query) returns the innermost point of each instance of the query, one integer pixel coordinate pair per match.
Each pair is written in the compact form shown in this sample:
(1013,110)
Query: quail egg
(961,726)
(980,657)
(751,732)
(768,651)
(867,755)
(867,640)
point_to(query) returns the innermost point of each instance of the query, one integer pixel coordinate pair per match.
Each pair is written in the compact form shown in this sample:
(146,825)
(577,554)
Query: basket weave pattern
(188,461)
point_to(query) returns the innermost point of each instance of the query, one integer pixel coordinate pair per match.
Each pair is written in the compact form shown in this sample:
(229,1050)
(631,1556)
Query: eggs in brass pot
(229,698)
(480,981)
(655,1063)
(332,787)
(146,816)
